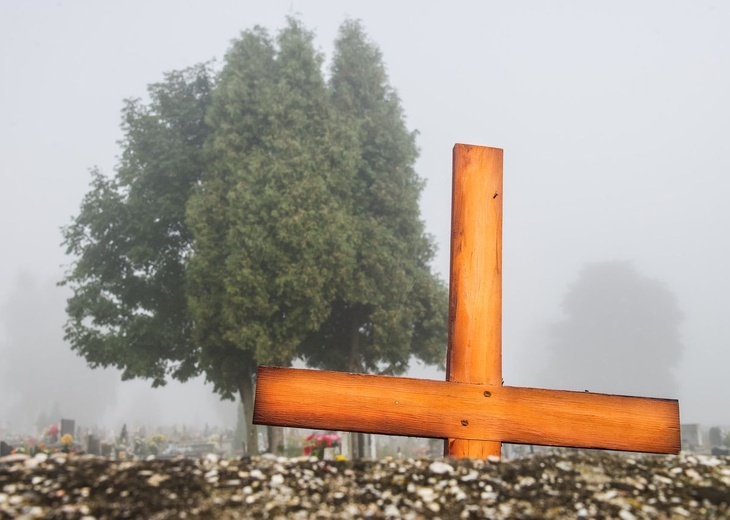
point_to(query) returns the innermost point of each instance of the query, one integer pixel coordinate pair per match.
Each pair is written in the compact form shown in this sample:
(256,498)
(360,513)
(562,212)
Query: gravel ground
(569,485)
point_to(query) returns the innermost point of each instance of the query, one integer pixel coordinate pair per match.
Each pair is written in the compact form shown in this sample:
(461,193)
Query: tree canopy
(620,335)
(392,307)
(259,214)
(131,242)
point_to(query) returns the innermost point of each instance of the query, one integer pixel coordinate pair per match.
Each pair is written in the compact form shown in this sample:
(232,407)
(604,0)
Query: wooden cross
(471,410)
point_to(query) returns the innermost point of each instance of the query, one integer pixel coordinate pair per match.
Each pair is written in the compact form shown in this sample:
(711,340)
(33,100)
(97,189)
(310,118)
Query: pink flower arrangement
(317,442)
(50,434)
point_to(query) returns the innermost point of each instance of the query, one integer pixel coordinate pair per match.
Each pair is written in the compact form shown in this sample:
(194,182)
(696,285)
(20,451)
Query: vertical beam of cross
(475,286)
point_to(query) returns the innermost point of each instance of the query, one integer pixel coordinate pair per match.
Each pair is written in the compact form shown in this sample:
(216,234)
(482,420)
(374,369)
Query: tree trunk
(252,439)
(354,365)
(275,436)
(355,444)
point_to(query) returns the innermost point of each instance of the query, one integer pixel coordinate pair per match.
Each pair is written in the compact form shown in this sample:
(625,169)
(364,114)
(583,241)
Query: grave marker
(472,409)
(106,449)
(5,449)
(68,426)
(93,445)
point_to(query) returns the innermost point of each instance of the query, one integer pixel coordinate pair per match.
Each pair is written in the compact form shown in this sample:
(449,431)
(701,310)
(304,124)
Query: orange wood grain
(405,406)
(475,286)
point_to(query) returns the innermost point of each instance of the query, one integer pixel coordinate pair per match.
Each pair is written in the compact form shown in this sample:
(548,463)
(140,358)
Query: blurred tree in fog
(40,378)
(620,335)
(259,215)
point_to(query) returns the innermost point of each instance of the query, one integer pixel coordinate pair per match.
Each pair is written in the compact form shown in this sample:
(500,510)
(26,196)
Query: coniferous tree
(271,230)
(393,307)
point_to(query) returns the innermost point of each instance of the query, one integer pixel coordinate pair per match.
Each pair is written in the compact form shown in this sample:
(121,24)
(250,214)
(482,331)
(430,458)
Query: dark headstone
(93,446)
(68,426)
(5,448)
(720,451)
(106,449)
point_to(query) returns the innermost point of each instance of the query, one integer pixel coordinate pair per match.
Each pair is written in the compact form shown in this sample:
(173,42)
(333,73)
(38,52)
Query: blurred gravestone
(715,436)
(691,436)
(93,446)
(68,426)
(5,448)
(106,449)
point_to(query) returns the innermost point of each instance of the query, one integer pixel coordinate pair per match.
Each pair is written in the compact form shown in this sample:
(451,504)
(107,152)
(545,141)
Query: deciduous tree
(131,243)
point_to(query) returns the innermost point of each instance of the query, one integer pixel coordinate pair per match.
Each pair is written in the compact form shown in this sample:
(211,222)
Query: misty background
(614,119)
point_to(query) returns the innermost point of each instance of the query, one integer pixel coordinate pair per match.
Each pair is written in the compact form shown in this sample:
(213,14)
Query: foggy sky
(614,118)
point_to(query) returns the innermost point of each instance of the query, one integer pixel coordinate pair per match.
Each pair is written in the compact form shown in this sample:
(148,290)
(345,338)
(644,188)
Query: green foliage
(392,307)
(271,233)
(259,217)
(131,242)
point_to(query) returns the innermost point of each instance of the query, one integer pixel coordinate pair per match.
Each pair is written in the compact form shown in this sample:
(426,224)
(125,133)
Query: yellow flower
(67,440)
(158,438)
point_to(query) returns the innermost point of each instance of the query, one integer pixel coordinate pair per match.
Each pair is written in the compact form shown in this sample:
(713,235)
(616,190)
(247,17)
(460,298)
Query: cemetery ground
(550,484)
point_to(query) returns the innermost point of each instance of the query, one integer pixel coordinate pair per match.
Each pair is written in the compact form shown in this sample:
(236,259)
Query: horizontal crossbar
(425,408)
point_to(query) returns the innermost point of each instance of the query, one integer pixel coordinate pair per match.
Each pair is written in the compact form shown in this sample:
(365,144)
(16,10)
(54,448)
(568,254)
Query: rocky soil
(569,485)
